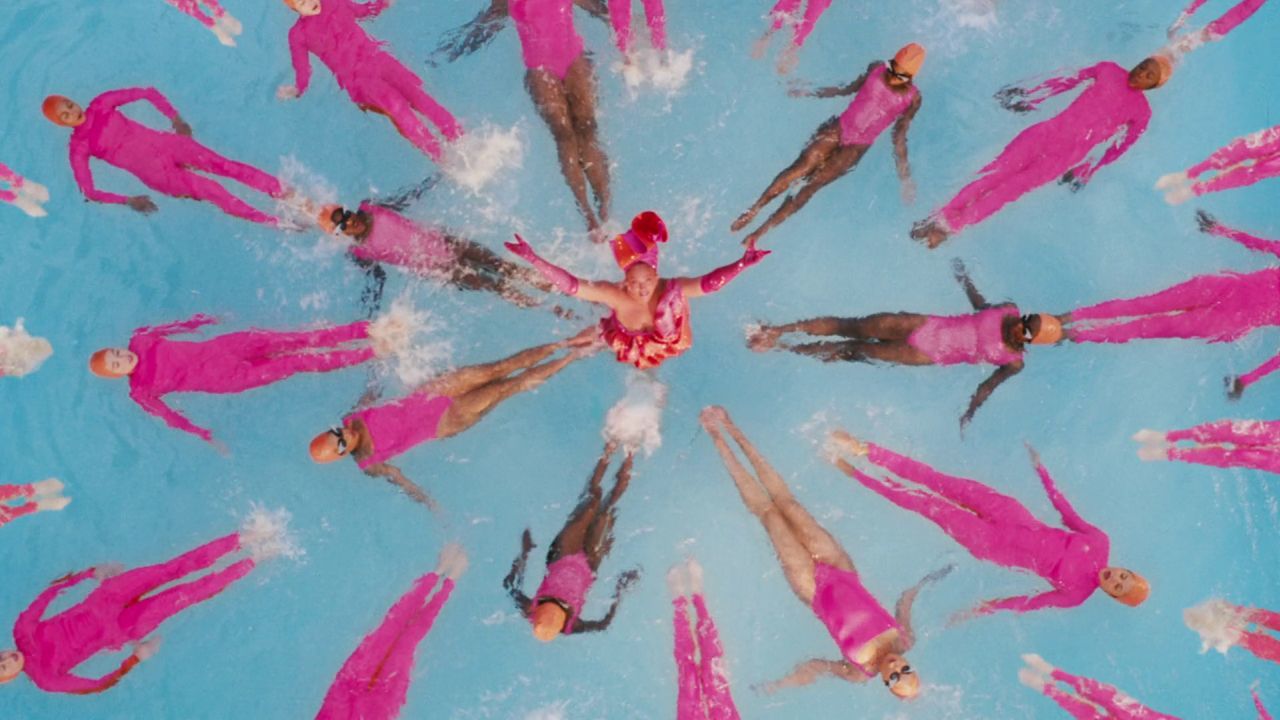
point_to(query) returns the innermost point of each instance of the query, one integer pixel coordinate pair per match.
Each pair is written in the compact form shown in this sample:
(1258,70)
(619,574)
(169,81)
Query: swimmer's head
(331,217)
(112,362)
(62,111)
(906,64)
(304,8)
(897,675)
(11,664)
(548,620)
(1151,73)
(1041,329)
(641,282)
(1124,585)
(352,224)
(333,444)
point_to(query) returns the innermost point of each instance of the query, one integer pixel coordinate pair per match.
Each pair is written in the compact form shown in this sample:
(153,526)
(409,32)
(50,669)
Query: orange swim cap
(326,447)
(1050,330)
(1138,594)
(16,662)
(98,365)
(51,106)
(909,59)
(1166,68)
(325,218)
(548,620)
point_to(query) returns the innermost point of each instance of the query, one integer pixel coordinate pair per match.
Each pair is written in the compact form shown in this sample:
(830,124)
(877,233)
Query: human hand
(753,256)
(181,127)
(106,571)
(1206,221)
(799,88)
(1077,177)
(1012,99)
(1235,388)
(521,248)
(142,204)
(287,92)
(147,649)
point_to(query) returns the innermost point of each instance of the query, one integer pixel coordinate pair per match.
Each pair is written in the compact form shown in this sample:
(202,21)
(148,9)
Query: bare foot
(677,580)
(711,415)
(453,561)
(585,337)
(53,503)
(743,220)
(788,60)
(848,443)
(763,339)
(48,486)
(761,45)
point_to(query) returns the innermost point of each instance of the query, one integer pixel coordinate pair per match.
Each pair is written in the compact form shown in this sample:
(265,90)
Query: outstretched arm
(1236,386)
(586,626)
(474,35)
(988,386)
(902,611)
(900,141)
(1025,603)
(961,275)
(171,417)
(394,476)
(799,90)
(565,281)
(1021,100)
(370,9)
(515,579)
(83,175)
(191,324)
(31,616)
(810,670)
(1080,175)
(1070,518)
(1211,226)
(76,685)
(124,96)
(718,278)
(300,58)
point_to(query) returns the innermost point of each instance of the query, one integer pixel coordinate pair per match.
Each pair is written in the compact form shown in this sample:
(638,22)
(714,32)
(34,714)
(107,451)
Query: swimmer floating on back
(42,496)
(20,352)
(219,21)
(1084,698)
(1224,443)
(573,560)
(787,12)
(373,78)
(703,686)
(1223,626)
(993,335)
(998,529)
(885,96)
(374,682)
(560,79)
(440,408)
(823,576)
(650,320)
(26,195)
(167,162)
(1242,162)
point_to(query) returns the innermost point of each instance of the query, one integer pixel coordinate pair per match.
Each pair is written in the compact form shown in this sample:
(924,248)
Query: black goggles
(897,675)
(342,439)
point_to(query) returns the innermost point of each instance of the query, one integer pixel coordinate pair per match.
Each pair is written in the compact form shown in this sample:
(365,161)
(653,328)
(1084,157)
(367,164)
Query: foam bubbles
(481,154)
(264,534)
(1219,624)
(20,353)
(665,71)
(635,421)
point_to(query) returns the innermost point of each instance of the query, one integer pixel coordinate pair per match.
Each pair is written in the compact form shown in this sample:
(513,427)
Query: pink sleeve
(30,617)
(1028,603)
(172,418)
(75,685)
(84,175)
(1058,85)
(369,9)
(1252,242)
(301,60)
(1070,517)
(1132,131)
(1260,372)
(124,96)
(195,322)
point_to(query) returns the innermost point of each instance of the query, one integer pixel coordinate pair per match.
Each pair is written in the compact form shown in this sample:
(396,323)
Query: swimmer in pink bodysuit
(1242,162)
(1225,443)
(573,560)
(787,12)
(1113,104)
(373,77)
(885,96)
(440,408)
(822,575)
(560,79)
(157,365)
(998,529)
(655,16)
(1223,626)
(374,682)
(1084,698)
(992,335)
(703,685)
(26,195)
(167,162)
(1217,308)
(650,320)
(125,608)
(218,20)
(45,495)
(1180,43)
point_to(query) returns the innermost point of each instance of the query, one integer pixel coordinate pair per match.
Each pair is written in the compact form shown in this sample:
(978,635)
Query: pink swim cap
(51,106)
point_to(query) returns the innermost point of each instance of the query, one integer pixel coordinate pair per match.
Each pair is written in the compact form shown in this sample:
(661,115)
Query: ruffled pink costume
(703,686)
(789,11)
(548,39)
(192,8)
(654,14)
(373,78)
(230,363)
(397,426)
(671,335)
(1244,161)
(115,614)
(975,339)
(873,109)
(394,239)
(374,682)
(1091,695)
(1045,151)
(15,492)
(13,180)
(998,529)
(164,161)
(1253,444)
(568,580)
(851,613)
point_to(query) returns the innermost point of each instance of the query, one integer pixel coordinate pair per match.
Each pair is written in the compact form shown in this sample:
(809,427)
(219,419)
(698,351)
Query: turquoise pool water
(87,275)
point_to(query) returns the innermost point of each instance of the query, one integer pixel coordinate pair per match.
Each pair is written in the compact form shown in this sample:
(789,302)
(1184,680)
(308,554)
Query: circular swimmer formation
(647,322)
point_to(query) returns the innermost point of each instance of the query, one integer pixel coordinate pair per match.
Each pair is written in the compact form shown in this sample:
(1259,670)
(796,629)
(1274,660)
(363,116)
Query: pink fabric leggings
(173,174)
(1217,308)
(192,8)
(13,180)
(140,616)
(1257,444)
(276,356)
(813,10)
(1262,644)
(654,14)
(1243,161)
(389,88)
(1091,694)
(12,492)
(374,682)
(703,688)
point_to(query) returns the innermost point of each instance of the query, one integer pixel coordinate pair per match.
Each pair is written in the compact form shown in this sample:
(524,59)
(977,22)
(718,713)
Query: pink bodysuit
(655,16)
(231,363)
(1254,444)
(1045,151)
(548,39)
(397,426)
(852,615)
(1216,30)
(373,78)
(976,338)
(374,682)
(164,161)
(115,614)
(13,180)
(15,492)
(998,529)
(1090,695)
(192,8)
(788,11)
(873,109)
(568,580)
(703,686)
(394,239)
(1242,162)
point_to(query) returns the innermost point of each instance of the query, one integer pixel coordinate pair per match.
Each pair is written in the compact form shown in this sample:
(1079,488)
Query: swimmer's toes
(743,220)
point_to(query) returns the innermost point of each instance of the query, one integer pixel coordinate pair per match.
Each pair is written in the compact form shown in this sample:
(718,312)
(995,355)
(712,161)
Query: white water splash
(311,191)
(409,334)
(21,353)
(635,421)
(264,534)
(1219,624)
(482,154)
(666,71)
(554,711)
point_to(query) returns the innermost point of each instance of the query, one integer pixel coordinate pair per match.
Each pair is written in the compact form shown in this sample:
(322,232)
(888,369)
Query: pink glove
(720,277)
(564,281)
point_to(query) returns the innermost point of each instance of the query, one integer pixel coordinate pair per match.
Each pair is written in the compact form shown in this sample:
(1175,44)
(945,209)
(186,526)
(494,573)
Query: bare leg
(572,537)
(824,140)
(580,85)
(897,353)
(551,98)
(464,380)
(467,409)
(839,160)
(600,533)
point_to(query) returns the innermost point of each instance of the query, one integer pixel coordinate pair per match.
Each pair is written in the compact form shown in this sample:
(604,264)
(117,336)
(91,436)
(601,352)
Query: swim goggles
(896,676)
(1027,333)
(340,218)
(892,69)
(342,439)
